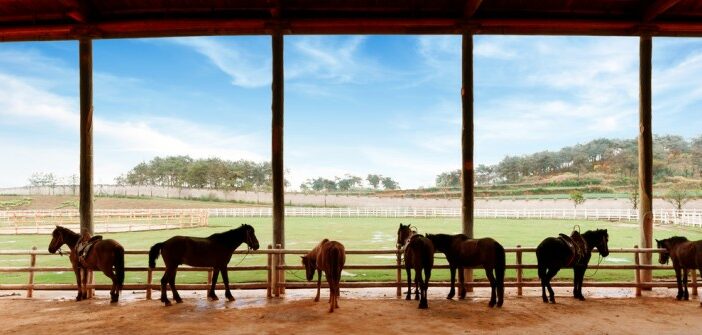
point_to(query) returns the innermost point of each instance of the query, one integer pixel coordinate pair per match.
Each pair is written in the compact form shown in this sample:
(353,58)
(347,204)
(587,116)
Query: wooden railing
(275,282)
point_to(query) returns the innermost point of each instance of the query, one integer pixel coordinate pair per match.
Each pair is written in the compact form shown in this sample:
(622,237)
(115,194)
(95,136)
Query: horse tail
(500,264)
(119,267)
(427,260)
(153,254)
(541,263)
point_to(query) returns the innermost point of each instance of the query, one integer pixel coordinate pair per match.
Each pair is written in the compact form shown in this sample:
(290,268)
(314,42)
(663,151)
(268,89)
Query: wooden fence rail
(275,284)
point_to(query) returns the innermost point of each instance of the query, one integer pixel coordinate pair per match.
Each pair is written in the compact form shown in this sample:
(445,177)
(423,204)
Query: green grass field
(355,233)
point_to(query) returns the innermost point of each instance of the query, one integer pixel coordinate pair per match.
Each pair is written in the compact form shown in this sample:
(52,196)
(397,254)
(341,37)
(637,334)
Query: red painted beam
(657,8)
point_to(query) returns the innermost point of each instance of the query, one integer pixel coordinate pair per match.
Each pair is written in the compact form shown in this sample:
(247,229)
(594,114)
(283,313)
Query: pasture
(355,233)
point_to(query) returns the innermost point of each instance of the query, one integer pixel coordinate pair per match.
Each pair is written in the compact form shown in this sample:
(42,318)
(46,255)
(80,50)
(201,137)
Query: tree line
(186,172)
(672,156)
(349,183)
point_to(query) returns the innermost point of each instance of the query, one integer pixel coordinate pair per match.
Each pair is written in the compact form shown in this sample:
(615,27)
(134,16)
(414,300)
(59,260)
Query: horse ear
(657,241)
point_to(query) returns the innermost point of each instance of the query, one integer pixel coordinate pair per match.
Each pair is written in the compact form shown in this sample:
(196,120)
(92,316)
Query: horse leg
(549,276)
(171,282)
(85,284)
(79,297)
(319,285)
(113,290)
(422,287)
(493,287)
(452,291)
(409,281)
(578,276)
(416,286)
(164,282)
(679,281)
(211,293)
(461,284)
(225,278)
(686,296)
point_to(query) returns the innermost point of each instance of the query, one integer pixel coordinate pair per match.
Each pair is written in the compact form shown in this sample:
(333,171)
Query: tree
(374,180)
(390,184)
(42,179)
(678,196)
(634,196)
(449,179)
(349,182)
(577,197)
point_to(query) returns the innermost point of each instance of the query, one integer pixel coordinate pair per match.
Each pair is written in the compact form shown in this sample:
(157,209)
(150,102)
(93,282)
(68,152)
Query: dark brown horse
(463,252)
(686,255)
(554,253)
(214,251)
(419,255)
(105,255)
(327,256)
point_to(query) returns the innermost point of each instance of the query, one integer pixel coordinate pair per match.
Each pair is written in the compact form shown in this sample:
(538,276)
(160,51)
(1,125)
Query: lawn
(355,233)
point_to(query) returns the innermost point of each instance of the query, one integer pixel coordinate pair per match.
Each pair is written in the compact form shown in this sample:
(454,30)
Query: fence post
(149,279)
(399,273)
(519,271)
(269,286)
(694,281)
(275,273)
(32,264)
(637,272)
(281,272)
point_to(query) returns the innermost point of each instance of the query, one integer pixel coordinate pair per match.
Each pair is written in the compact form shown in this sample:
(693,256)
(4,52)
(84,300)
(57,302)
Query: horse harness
(577,245)
(84,246)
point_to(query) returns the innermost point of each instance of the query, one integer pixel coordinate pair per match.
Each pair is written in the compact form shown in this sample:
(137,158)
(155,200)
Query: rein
(599,261)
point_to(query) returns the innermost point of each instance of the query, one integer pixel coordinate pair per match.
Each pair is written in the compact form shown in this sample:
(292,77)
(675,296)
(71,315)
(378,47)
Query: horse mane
(230,236)
(315,251)
(676,239)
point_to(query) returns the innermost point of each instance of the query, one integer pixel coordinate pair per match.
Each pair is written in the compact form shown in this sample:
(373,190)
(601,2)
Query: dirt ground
(374,311)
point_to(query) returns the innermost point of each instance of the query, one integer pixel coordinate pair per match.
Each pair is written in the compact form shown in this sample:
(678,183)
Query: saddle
(84,245)
(577,246)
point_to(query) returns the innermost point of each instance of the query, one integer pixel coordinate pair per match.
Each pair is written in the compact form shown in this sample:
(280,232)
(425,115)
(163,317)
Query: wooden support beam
(657,8)
(471,7)
(277,143)
(645,153)
(467,134)
(77,10)
(86,136)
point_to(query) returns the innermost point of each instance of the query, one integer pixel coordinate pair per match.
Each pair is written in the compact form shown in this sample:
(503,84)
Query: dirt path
(252,313)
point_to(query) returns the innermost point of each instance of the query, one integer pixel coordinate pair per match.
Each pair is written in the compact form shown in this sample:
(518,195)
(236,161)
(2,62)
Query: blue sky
(353,104)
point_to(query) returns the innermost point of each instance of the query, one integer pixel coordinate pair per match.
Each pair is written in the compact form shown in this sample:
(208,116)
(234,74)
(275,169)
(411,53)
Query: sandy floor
(362,312)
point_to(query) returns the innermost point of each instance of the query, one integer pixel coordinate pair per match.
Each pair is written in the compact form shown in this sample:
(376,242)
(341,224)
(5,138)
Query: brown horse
(686,255)
(105,255)
(214,251)
(327,256)
(463,252)
(419,255)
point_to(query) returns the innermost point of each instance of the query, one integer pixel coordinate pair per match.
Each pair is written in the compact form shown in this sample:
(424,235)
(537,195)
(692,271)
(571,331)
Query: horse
(554,253)
(686,255)
(464,252)
(328,256)
(104,255)
(213,251)
(419,255)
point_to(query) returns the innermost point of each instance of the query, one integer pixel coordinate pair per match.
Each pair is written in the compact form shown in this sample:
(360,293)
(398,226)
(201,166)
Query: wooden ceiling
(27,20)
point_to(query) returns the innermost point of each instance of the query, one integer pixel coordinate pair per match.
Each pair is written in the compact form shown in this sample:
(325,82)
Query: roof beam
(471,7)
(78,10)
(657,8)
(204,27)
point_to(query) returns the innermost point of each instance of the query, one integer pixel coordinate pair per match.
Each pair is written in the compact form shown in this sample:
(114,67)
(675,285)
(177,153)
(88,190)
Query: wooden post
(694,281)
(519,271)
(399,273)
(32,264)
(149,280)
(269,287)
(278,177)
(645,154)
(467,142)
(86,136)
(637,272)
(276,272)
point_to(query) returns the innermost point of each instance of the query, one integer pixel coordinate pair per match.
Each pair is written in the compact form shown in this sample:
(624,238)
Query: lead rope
(598,267)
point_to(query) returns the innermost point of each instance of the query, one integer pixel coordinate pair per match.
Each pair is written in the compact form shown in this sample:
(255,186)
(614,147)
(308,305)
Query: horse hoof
(213,297)
(423,306)
(499,304)
(166,303)
(449,297)
(316,299)
(230,299)
(678,298)
(408,297)
(416,298)
(581,298)
(179,301)
(491,304)
(553,302)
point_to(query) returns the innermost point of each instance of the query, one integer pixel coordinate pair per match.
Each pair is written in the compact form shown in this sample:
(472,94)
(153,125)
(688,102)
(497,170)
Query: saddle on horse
(84,245)
(577,246)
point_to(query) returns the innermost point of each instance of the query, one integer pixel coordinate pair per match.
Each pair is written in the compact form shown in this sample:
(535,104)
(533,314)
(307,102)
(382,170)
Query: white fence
(690,217)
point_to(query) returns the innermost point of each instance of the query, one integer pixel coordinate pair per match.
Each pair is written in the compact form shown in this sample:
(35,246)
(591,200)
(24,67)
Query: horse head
(403,234)
(56,239)
(251,240)
(663,256)
(602,242)
(310,264)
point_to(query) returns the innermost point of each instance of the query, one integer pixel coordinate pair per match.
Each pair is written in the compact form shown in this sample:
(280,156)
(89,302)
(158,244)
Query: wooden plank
(203,27)
(645,144)
(471,7)
(467,137)
(86,136)
(657,8)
